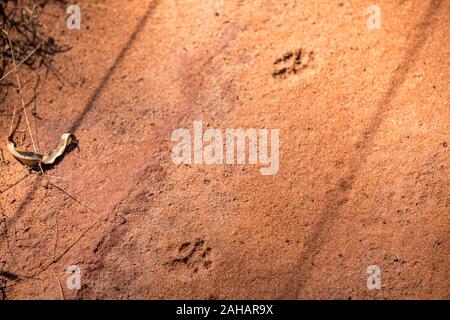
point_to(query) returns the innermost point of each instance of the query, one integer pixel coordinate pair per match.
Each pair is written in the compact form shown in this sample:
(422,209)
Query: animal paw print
(193,255)
(293,62)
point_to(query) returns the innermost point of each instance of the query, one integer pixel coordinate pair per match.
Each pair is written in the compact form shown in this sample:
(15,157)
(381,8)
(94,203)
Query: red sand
(364,173)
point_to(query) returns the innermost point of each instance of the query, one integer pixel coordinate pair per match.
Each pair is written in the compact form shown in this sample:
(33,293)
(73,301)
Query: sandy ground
(364,174)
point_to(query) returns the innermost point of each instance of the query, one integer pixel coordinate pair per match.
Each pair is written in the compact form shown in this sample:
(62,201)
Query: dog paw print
(292,62)
(193,255)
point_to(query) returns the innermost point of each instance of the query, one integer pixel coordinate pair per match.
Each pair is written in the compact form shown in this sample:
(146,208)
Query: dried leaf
(30,159)
(66,139)
(33,159)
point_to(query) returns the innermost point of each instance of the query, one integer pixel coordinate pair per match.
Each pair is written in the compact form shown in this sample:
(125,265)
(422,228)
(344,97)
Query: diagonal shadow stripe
(336,198)
(139,27)
(93,98)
